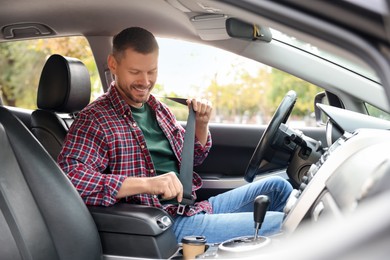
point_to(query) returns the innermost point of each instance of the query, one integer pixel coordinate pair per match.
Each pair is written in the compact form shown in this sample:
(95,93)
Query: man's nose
(143,79)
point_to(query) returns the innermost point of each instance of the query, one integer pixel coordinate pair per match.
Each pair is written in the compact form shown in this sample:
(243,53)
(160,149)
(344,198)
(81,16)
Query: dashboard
(346,173)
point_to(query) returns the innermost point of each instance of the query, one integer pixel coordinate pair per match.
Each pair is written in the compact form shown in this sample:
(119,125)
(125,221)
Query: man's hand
(167,185)
(203,109)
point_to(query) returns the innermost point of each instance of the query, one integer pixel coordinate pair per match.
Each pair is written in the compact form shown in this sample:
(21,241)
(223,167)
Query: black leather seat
(64,89)
(41,214)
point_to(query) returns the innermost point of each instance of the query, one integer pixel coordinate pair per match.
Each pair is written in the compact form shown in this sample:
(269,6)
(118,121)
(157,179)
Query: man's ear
(112,64)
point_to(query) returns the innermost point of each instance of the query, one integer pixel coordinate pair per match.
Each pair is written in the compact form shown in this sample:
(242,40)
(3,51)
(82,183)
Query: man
(127,146)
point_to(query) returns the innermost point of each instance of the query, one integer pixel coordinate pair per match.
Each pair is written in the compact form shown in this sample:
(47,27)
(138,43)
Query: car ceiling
(100,18)
(93,17)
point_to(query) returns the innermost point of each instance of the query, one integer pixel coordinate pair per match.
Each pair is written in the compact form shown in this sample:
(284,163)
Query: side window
(242,91)
(376,112)
(21,63)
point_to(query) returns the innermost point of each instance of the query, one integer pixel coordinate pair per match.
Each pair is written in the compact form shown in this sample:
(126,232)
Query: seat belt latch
(184,203)
(180,209)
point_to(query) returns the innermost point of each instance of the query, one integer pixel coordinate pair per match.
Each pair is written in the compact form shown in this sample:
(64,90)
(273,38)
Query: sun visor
(211,27)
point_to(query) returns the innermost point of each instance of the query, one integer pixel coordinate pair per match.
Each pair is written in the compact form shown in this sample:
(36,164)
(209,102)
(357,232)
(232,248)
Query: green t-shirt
(164,159)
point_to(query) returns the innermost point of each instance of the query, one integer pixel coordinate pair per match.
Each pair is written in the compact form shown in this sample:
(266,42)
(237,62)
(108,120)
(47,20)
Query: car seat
(41,214)
(64,89)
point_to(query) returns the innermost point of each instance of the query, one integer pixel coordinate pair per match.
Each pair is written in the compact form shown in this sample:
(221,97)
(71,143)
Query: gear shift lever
(260,208)
(247,246)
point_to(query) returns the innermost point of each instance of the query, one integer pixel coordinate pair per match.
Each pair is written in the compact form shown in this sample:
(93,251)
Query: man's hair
(136,38)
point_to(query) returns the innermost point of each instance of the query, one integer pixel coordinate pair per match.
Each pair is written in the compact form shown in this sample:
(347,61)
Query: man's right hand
(167,185)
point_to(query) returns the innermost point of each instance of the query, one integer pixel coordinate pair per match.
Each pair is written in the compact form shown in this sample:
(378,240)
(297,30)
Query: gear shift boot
(242,246)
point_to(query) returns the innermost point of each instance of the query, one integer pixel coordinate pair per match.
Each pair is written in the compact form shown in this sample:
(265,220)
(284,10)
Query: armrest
(131,219)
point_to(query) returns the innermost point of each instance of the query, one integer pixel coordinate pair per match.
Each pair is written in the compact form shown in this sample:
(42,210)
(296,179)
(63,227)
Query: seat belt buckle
(184,203)
(180,209)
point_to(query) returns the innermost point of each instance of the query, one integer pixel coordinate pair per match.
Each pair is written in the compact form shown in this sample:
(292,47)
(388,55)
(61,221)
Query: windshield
(336,59)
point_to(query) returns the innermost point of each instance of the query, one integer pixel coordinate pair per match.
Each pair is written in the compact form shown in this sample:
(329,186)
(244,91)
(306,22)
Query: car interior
(339,170)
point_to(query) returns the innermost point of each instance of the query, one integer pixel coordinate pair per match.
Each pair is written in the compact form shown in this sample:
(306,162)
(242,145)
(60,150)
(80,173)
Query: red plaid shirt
(104,146)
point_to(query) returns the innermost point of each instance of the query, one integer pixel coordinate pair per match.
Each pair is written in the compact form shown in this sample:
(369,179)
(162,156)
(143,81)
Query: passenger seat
(64,89)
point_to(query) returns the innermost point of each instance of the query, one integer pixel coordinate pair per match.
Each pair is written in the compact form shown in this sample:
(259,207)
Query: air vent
(26,30)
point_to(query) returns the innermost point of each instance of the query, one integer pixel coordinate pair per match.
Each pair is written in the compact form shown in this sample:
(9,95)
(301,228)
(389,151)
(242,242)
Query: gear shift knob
(260,208)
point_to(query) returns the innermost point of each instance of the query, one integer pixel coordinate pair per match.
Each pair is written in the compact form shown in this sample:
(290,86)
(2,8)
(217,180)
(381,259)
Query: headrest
(64,86)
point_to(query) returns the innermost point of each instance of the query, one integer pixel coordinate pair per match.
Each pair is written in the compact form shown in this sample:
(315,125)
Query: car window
(352,65)
(242,91)
(21,63)
(376,112)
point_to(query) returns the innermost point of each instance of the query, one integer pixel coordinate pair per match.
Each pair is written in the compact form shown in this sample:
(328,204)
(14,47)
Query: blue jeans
(233,212)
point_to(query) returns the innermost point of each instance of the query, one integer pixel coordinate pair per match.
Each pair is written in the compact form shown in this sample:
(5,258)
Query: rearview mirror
(247,31)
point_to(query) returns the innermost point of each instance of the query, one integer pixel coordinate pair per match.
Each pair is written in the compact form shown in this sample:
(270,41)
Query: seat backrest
(64,89)
(41,214)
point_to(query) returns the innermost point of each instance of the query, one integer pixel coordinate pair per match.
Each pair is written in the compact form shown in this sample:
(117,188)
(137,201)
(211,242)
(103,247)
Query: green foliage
(21,64)
(258,96)
(20,68)
(283,82)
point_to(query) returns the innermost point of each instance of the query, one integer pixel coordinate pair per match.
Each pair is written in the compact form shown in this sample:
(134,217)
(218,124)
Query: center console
(136,231)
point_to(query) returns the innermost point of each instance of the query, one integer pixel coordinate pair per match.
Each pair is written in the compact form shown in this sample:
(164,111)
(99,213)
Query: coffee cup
(193,246)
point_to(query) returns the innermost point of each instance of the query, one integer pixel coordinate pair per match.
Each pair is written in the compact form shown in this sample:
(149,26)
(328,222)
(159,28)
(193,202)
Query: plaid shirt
(104,146)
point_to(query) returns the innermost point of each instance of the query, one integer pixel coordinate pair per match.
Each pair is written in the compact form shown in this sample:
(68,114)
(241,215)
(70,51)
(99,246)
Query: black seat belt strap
(187,162)
(187,159)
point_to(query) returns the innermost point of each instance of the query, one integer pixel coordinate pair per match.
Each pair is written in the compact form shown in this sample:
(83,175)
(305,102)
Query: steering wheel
(264,152)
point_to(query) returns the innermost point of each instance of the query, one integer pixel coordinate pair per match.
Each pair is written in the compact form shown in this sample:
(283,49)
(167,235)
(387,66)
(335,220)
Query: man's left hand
(203,108)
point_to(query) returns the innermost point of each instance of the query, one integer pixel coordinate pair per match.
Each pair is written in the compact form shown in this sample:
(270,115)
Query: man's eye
(134,72)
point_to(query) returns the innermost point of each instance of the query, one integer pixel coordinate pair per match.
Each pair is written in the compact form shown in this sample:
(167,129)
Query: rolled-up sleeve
(201,151)
(85,161)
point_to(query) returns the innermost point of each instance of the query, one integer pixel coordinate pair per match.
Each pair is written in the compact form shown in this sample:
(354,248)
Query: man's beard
(134,98)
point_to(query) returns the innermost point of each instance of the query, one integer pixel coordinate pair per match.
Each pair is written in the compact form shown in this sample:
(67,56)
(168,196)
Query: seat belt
(187,158)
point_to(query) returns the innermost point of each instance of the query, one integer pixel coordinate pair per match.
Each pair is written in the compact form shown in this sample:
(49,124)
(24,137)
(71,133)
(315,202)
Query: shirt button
(155,196)
(142,146)
(124,116)
(134,124)
(151,171)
